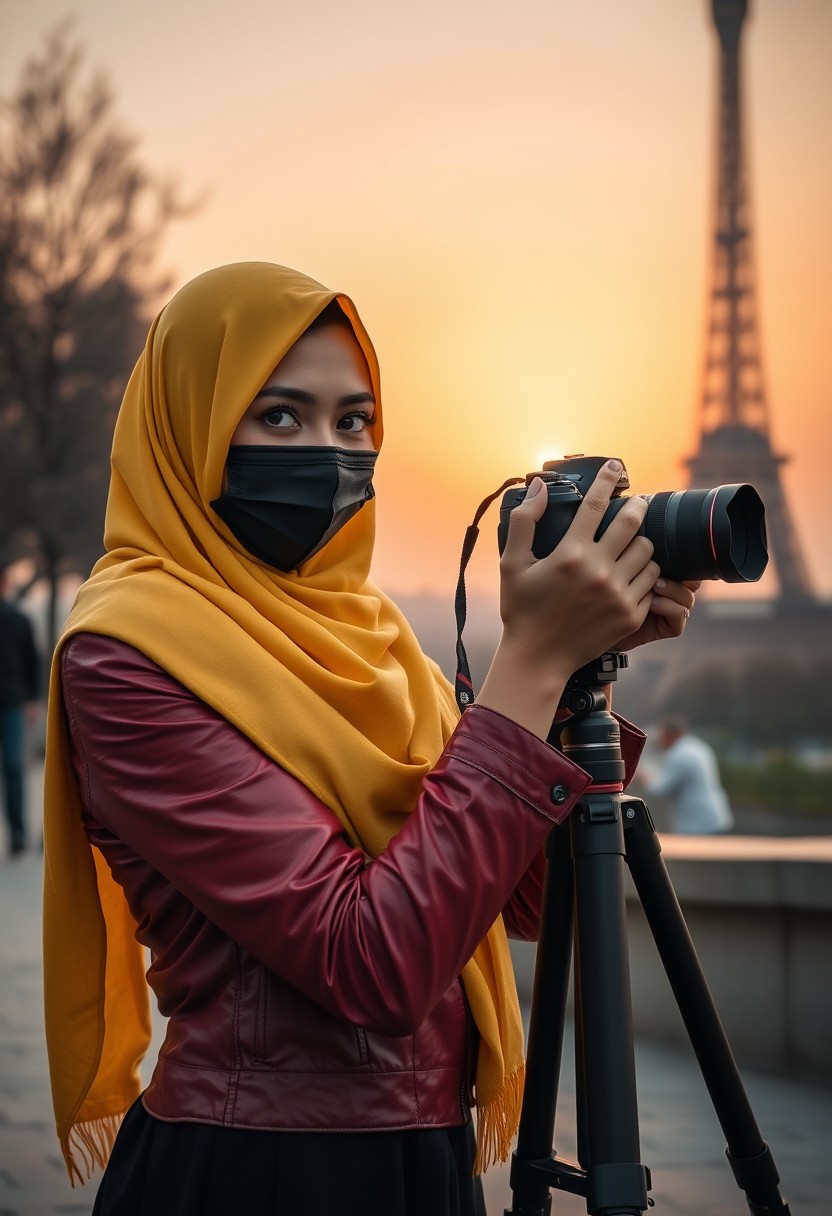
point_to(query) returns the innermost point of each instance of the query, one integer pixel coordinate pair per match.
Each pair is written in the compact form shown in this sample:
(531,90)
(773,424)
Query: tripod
(583,900)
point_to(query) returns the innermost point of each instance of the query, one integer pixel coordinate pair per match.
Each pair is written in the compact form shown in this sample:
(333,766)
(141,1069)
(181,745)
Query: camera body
(697,534)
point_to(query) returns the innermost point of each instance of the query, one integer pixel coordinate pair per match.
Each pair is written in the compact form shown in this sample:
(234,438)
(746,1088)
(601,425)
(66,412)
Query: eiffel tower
(734,443)
(794,627)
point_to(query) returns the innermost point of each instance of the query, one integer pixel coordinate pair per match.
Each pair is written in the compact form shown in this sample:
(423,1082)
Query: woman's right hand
(564,610)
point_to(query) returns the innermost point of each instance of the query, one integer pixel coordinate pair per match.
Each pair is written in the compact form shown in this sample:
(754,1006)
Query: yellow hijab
(248,640)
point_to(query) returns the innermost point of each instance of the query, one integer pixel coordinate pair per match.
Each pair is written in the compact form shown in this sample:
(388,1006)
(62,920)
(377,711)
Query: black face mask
(284,503)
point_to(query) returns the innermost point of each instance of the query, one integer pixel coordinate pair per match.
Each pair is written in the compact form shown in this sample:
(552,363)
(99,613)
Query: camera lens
(708,534)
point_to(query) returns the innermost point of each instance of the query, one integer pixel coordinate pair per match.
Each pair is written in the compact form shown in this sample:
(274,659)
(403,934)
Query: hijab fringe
(497,1122)
(88,1144)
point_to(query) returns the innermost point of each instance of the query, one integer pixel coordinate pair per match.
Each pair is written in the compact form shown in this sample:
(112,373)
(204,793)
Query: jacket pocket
(293,1033)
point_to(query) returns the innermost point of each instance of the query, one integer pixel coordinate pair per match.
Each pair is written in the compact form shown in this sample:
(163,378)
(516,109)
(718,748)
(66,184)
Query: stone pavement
(681,1139)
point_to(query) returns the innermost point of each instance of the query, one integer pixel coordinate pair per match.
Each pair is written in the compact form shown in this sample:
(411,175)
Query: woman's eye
(280,418)
(355,422)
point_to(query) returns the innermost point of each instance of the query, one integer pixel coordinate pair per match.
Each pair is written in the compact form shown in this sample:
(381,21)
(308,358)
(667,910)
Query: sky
(518,198)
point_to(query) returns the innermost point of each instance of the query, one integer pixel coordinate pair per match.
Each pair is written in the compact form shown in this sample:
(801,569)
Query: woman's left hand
(668,615)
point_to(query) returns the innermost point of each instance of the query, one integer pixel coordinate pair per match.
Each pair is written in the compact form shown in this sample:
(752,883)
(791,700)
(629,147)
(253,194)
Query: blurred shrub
(781,784)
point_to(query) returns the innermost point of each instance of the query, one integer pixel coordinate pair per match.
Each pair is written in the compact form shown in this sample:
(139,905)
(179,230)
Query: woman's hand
(573,604)
(670,608)
(563,610)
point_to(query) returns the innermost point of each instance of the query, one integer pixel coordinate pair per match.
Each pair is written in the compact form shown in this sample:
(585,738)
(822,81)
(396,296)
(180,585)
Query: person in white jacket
(688,778)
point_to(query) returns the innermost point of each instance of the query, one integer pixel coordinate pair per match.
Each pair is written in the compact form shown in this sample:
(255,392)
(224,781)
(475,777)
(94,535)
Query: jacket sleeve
(522,912)
(264,860)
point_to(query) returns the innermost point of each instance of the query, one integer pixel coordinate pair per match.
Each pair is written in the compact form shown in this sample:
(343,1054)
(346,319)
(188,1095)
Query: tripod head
(589,734)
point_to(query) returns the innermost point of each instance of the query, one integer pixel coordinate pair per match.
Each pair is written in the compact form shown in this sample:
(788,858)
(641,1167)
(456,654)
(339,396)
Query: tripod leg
(531,1195)
(580,1067)
(748,1155)
(616,1182)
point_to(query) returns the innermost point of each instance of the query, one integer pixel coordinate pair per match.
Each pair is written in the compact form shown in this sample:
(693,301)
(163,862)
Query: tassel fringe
(497,1122)
(88,1144)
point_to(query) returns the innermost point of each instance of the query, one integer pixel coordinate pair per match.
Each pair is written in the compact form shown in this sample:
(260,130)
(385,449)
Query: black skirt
(195,1169)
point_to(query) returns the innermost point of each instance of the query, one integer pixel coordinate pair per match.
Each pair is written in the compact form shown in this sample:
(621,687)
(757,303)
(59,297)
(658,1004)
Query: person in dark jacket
(19,690)
(254,771)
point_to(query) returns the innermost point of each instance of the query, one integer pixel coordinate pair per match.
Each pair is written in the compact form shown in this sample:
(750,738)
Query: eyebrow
(304,398)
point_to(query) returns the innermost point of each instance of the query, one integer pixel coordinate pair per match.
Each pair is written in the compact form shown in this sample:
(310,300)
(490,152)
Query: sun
(543,454)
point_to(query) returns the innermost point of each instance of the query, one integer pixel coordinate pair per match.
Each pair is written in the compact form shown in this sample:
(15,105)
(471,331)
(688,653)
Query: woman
(254,772)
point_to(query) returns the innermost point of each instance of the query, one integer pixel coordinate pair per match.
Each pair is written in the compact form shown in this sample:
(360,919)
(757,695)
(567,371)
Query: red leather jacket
(304,988)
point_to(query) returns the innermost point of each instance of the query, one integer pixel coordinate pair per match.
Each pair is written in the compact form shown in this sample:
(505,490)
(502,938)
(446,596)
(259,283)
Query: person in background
(19,688)
(689,779)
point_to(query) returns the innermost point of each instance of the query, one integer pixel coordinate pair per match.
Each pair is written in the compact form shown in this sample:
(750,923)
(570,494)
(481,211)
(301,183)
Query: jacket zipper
(466,1095)
(363,1048)
(261,1013)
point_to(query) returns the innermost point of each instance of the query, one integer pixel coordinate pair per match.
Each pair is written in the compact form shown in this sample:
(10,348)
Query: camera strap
(463,684)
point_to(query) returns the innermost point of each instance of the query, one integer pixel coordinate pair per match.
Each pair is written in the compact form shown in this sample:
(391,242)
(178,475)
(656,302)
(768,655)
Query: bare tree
(80,224)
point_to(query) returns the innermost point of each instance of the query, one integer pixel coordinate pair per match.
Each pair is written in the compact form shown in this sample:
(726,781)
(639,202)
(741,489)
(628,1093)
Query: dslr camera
(697,534)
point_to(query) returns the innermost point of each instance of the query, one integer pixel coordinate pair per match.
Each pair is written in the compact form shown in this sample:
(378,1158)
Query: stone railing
(759,911)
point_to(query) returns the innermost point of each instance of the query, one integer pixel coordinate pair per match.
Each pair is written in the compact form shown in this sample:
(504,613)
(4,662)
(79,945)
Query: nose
(323,434)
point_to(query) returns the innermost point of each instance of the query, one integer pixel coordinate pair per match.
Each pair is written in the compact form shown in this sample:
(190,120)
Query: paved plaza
(681,1140)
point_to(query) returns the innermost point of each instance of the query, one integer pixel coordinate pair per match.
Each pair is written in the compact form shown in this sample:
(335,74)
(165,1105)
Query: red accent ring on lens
(614,787)
(711,527)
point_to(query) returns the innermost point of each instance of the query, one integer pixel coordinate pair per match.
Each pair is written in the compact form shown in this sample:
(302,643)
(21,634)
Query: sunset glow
(518,198)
